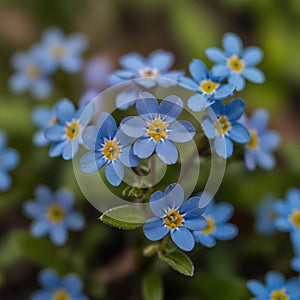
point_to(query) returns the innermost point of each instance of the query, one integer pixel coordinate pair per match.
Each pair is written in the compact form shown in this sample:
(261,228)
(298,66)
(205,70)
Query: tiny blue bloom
(276,287)
(208,88)
(216,216)
(110,147)
(157,128)
(174,217)
(235,63)
(66,133)
(9,158)
(63,52)
(56,288)
(222,126)
(258,151)
(32,73)
(53,214)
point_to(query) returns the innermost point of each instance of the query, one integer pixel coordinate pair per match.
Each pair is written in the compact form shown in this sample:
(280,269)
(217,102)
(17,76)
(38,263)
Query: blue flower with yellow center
(56,288)
(53,214)
(222,126)
(236,63)
(216,216)
(110,147)
(208,88)
(276,288)
(258,151)
(66,133)
(9,158)
(174,217)
(157,128)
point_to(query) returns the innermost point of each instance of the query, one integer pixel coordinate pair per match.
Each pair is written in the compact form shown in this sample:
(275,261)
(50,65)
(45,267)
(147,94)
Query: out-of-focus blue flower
(216,216)
(63,52)
(276,287)
(174,217)
(67,132)
(56,288)
(235,63)
(262,141)
(32,70)
(157,128)
(87,97)
(9,158)
(295,261)
(208,88)
(110,147)
(222,126)
(53,214)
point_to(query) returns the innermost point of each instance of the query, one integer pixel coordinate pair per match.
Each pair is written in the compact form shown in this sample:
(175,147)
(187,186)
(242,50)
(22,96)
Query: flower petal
(254,75)
(252,56)
(107,125)
(158,204)
(225,232)
(257,288)
(114,172)
(216,55)
(265,159)
(133,126)
(92,161)
(232,44)
(238,133)
(235,109)
(64,110)
(144,147)
(181,131)
(260,120)
(183,238)
(155,229)
(195,222)
(128,158)
(75,221)
(89,137)
(220,70)
(167,152)
(198,70)
(204,239)
(224,91)
(197,102)
(56,133)
(40,228)
(161,60)
(147,106)
(170,108)
(127,98)
(9,159)
(188,83)
(58,235)
(238,81)
(132,61)
(270,140)
(223,146)
(208,127)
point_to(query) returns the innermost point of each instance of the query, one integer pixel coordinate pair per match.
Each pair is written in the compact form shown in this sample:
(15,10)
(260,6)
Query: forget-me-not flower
(157,128)
(208,88)
(174,217)
(236,63)
(222,126)
(53,214)
(110,148)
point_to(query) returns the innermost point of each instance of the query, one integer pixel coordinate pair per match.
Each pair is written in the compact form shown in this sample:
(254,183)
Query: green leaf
(152,287)
(178,261)
(124,217)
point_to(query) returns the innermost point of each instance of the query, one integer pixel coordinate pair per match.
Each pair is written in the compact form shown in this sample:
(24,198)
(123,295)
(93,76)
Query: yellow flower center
(295,218)
(58,52)
(72,130)
(157,129)
(235,64)
(279,295)
(173,219)
(111,150)
(56,213)
(208,86)
(254,140)
(33,72)
(148,72)
(222,125)
(211,226)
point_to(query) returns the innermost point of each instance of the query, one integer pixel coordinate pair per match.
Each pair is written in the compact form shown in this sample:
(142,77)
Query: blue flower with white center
(216,216)
(110,148)
(276,287)
(157,128)
(174,217)
(32,73)
(66,133)
(208,88)
(56,288)
(222,126)
(53,214)
(63,52)
(236,63)
(9,158)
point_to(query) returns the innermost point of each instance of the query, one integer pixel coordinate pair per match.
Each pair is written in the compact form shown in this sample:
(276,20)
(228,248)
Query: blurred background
(105,258)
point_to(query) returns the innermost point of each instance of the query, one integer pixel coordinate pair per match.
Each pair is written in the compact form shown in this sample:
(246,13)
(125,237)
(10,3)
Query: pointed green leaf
(152,287)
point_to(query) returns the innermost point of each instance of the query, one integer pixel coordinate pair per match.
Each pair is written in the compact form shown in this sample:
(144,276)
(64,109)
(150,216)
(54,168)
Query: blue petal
(265,160)
(114,172)
(89,137)
(274,280)
(270,140)
(167,152)
(225,232)
(33,209)
(220,70)
(191,205)
(57,148)
(75,221)
(128,158)
(56,133)
(65,110)
(133,126)
(250,159)
(39,139)
(127,98)
(235,109)
(42,117)
(144,147)
(208,127)
(41,88)
(195,222)
(188,83)
(146,82)
(223,146)
(205,239)
(295,264)
(174,196)
(52,35)
(9,159)
(238,133)
(222,212)
(254,75)
(49,279)
(216,110)
(181,131)
(43,194)
(232,44)
(197,102)
(92,161)
(158,204)
(5,181)
(40,228)
(58,235)
(216,55)
(147,106)
(259,120)
(132,61)
(85,114)
(198,70)
(170,108)
(70,150)
(161,60)
(107,125)
(72,285)
(252,56)
(257,288)
(18,83)
(238,81)
(155,229)
(183,238)
(65,199)
(224,91)
(77,43)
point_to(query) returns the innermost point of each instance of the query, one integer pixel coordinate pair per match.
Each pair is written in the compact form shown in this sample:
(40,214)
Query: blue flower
(174,217)
(110,147)
(63,52)
(157,128)
(235,63)
(258,151)
(9,158)
(216,216)
(208,88)
(67,132)
(53,214)
(295,261)
(32,73)
(56,288)
(222,126)
(277,287)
